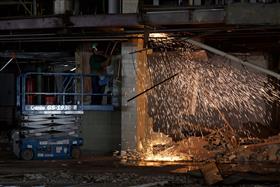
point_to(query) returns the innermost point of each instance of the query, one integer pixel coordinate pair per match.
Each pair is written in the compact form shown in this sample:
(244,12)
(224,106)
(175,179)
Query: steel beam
(121,20)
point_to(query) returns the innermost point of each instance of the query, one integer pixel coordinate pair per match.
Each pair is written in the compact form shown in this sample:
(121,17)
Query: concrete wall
(245,13)
(101,132)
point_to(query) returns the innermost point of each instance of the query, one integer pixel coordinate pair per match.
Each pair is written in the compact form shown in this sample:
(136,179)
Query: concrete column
(136,123)
(156,2)
(191,2)
(62,6)
(113,6)
(197,2)
(34,2)
(76,9)
(129,6)
(128,116)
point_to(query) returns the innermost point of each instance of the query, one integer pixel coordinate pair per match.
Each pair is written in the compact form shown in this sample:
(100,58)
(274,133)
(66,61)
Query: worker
(98,65)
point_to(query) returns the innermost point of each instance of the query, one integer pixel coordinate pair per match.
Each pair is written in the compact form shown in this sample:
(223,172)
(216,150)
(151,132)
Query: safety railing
(62,93)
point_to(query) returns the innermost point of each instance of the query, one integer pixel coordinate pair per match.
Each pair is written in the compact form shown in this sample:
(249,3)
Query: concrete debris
(129,155)
(116,153)
(266,150)
(220,146)
(222,140)
(227,149)
(217,146)
(199,55)
(211,173)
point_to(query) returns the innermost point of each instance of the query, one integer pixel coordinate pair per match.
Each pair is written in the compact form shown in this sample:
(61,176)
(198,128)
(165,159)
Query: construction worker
(98,64)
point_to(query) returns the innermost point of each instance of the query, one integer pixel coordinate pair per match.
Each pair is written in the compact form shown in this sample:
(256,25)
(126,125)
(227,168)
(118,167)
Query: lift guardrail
(59,93)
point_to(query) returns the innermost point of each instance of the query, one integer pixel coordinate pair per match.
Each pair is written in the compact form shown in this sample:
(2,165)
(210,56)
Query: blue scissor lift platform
(49,121)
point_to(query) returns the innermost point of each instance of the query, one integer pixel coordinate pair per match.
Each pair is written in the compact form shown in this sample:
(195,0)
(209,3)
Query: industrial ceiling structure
(139,92)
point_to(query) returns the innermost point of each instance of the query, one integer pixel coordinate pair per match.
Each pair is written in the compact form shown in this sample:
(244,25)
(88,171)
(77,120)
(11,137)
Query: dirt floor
(108,171)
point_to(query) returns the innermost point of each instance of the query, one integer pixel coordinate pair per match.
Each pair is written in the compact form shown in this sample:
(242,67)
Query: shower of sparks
(207,94)
(162,157)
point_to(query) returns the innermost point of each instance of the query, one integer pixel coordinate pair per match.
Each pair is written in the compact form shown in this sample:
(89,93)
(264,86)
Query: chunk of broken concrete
(211,173)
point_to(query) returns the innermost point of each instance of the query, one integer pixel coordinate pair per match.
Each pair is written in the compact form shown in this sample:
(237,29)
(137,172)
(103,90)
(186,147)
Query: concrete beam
(119,20)
(196,16)
(122,20)
(31,23)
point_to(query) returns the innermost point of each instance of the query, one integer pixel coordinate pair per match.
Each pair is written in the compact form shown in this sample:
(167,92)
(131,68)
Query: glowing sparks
(165,158)
(203,91)
(207,95)
(158,35)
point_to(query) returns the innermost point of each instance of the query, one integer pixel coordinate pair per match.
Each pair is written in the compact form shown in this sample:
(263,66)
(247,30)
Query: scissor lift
(49,121)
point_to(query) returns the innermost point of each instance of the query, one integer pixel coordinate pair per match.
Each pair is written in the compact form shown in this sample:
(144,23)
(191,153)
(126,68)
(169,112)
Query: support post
(113,6)
(34,8)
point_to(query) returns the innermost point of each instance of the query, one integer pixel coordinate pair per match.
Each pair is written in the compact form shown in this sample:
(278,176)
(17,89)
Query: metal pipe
(6,64)
(233,58)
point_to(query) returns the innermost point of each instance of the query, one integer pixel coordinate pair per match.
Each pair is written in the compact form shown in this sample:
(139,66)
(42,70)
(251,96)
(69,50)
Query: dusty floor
(107,171)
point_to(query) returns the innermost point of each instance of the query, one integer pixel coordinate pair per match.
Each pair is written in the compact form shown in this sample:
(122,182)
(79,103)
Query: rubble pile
(129,155)
(218,145)
(256,150)
(269,150)
(218,142)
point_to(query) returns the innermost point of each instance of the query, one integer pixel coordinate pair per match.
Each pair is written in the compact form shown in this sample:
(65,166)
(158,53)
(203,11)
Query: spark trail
(191,103)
